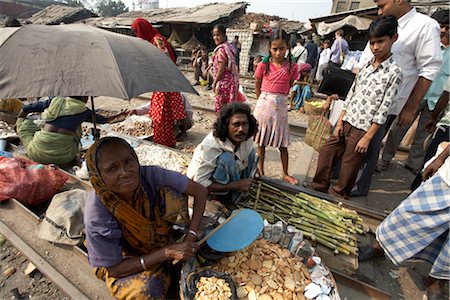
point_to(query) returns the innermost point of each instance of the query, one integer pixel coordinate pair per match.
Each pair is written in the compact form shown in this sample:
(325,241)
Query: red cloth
(145,30)
(278,80)
(166,108)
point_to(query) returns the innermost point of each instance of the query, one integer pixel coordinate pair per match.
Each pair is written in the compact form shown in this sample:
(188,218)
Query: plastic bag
(29,182)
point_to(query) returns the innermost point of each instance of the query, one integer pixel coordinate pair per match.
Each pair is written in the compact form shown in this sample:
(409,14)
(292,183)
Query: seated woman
(127,221)
(57,142)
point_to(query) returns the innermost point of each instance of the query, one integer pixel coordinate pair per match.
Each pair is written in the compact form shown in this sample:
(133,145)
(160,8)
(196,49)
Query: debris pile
(163,157)
(245,20)
(137,126)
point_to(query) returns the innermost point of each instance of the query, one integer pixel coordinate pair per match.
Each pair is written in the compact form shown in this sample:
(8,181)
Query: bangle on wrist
(142,261)
(193,233)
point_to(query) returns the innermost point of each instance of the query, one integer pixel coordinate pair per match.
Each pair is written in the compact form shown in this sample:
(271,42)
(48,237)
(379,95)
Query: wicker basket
(9,118)
(312,110)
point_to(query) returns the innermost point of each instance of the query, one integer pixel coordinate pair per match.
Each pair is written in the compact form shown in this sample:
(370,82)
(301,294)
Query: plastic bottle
(304,249)
(277,231)
(295,242)
(267,232)
(287,236)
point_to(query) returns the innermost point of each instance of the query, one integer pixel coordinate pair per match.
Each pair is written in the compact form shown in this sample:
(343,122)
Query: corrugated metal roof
(55,14)
(201,14)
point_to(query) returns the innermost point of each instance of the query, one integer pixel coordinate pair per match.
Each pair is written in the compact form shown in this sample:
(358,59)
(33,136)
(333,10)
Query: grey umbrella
(82,60)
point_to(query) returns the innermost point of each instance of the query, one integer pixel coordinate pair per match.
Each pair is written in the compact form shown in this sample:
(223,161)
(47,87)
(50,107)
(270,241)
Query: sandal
(290,179)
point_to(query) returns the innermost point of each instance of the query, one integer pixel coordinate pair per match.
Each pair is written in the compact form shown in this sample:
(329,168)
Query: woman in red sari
(166,107)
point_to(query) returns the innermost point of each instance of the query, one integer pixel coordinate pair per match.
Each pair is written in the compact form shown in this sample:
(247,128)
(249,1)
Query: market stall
(292,254)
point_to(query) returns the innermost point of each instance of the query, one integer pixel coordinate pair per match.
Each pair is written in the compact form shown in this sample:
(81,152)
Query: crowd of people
(402,75)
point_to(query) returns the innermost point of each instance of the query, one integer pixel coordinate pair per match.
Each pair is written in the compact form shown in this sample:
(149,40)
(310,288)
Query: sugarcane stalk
(321,227)
(320,240)
(322,233)
(331,225)
(349,249)
(257,195)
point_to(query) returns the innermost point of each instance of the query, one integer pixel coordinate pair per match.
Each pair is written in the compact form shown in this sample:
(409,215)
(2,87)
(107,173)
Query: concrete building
(346,5)
(148,4)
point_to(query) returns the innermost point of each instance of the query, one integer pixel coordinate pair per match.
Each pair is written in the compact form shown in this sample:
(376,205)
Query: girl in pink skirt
(274,77)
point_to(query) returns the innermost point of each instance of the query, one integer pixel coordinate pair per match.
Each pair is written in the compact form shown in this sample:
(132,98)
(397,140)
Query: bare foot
(290,179)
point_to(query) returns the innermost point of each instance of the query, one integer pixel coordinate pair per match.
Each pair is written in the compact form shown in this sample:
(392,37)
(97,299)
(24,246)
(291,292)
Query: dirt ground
(19,286)
(388,190)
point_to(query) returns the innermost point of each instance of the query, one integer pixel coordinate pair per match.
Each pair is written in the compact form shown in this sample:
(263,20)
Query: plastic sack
(29,182)
(62,222)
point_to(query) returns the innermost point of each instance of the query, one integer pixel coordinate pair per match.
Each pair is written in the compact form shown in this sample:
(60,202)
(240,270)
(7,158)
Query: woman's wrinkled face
(218,37)
(118,169)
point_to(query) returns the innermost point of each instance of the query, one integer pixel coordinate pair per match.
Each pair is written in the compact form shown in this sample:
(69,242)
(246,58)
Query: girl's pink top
(278,80)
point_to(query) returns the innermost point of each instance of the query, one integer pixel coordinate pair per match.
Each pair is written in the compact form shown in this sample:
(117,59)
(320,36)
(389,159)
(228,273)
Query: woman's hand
(333,97)
(215,88)
(181,251)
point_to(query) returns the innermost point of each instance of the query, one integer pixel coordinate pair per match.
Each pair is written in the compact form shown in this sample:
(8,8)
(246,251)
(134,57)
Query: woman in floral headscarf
(166,107)
(128,217)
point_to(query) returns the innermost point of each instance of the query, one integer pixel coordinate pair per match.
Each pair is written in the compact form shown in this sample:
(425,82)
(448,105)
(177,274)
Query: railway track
(296,129)
(66,266)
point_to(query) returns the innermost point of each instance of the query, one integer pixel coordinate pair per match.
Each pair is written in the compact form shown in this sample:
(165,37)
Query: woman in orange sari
(166,107)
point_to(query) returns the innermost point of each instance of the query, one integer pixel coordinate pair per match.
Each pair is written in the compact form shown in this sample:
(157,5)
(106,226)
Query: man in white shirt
(225,161)
(418,53)
(300,53)
(416,152)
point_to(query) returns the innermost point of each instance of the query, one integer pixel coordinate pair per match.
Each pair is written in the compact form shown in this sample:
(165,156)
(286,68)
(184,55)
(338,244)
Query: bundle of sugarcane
(326,223)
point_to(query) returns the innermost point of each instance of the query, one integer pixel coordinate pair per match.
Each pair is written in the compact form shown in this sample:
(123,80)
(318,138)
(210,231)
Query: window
(354,5)
(341,6)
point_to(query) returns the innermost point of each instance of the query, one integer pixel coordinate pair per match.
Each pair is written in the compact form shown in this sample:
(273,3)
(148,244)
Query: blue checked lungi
(419,228)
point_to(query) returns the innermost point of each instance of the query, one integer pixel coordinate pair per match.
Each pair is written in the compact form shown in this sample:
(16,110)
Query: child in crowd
(274,77)
(300,92)
(365,110)
(201,65)
(324,59)
(256,61)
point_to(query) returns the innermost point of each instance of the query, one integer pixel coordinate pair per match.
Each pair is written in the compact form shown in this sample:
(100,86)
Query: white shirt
(444,170)
(417,51)
(324,57)
(204,160)
(301,53)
